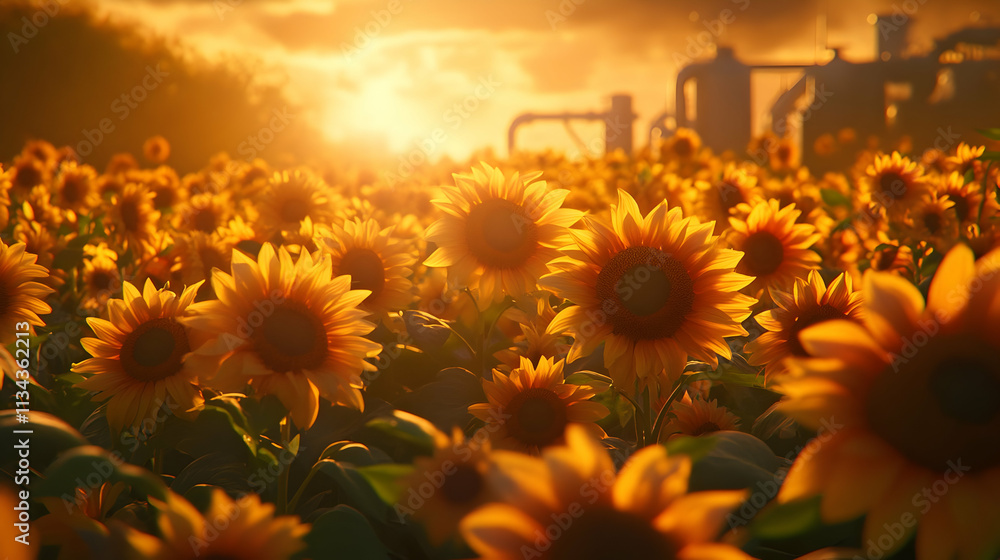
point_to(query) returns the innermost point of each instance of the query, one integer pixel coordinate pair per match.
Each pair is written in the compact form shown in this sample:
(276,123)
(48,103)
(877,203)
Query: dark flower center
(645,293)
(500,234)
(537,417)
(763,253)
(825,312)
(366,270)
(154,350)
(291,338)
(464,485)
(602,533)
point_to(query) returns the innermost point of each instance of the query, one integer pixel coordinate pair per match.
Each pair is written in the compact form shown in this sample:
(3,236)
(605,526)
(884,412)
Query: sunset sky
(393,71)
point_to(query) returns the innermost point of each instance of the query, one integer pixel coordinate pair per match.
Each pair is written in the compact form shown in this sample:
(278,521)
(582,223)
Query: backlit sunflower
(894,183)
(5,186)
(139,361)
(289,329)
(933,220)
(197,254)
(530,408)
(776,249)
(968,198)
(156,149)
(498,233)
(75,187)
(21,297)
(733,194)
(290,197)
(205,212)
(810,301)
(458,469)
(243,529)
(101,276)
(534,341)
(570,505)
(375,261)
(135,220)
(683,145)
(964,158)
(916,390)
(890,255)
(654,289)
(697,417)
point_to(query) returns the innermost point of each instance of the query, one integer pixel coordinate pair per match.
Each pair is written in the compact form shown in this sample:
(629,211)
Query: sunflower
(784,157)
(30,172)
(733,194)
(696,417)
(498,233)
(569,504)
(21,297)
(810,301)
(916,391)
(534,341)
(135,220)
(101,277)
(290,197)
(683,145)
(156,149)
(40,240)
(5,186)
(140,356)
(205,212)
(967,197)
(457,472)
(197,254)
(933,220)
(289,329)
(530,408)
(654,289)
(776,249)
(243,529)
(375,261)
(75,188)
(890,255)
(964,158)
(894,183)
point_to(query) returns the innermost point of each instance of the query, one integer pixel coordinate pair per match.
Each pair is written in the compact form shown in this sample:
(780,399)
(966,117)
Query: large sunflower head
(204,212)
(654,289)
(570,505)
(243,529)
(140,356)
(967,198)
(810,301)
(530,408)
(933,220)
(375,261)
(914,396)
(776,249)
(289,329)
(498,233)
(894,183)
(21,296)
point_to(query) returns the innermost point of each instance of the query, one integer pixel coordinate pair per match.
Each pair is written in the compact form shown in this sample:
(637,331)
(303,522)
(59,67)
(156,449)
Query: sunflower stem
(286,438)
(638,416)
(158,461)
(658,425)
(294,503)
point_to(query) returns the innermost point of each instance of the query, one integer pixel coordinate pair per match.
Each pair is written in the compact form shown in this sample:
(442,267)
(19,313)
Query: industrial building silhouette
(927,100)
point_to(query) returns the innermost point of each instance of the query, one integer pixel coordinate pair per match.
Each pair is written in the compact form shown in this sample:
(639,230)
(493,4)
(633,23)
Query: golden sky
(454,73)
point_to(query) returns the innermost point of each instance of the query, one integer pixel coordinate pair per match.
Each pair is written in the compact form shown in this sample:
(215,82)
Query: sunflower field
(676,354)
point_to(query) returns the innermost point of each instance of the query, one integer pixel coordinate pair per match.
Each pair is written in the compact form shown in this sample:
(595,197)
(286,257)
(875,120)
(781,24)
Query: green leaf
(90,466)
(779,521)
(49,438)
(991,133)
(357,454)
(594,379)
(354,490)
(693,447)
(833,197)
(408,428)
(728,376)
(388,480)
(427,331)
(343,532)
(737,460)
(990,156)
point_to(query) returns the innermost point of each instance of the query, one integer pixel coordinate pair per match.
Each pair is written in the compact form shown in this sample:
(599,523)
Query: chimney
(891,34)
